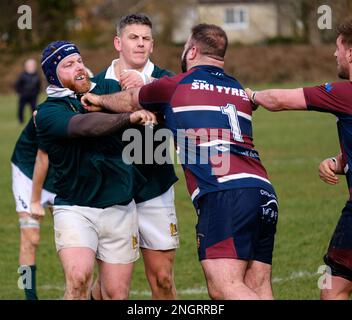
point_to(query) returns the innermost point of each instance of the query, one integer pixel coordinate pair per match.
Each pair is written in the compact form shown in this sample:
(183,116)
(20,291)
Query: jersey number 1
(231,112)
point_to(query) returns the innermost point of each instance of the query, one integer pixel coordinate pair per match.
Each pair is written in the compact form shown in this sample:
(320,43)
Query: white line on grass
(200,290)
(293,276)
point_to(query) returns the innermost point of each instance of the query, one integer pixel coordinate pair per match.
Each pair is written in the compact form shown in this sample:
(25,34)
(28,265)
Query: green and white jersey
(25,152)
(160,177)
(88,171)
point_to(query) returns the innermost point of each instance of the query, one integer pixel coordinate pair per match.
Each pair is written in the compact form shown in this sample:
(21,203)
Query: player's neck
(208,62)
(121,65)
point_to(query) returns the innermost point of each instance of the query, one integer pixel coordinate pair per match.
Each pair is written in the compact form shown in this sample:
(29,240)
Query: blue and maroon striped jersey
(336,98)
(210,116)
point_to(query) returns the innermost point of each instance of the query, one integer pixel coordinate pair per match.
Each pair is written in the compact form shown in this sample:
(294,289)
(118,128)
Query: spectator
(28,88)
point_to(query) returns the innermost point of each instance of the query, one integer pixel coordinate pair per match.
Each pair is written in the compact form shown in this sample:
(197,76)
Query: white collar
(57,92)
(110,72)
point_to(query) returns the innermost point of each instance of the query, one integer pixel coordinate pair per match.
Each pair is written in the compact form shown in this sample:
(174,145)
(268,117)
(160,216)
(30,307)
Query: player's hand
(143,117)
(250,94)
(327,171)
(91,102)
(37,210)
(132,79)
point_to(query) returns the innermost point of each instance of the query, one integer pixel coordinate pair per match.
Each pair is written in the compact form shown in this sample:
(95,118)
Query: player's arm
(39,175)
(125,101)
(154,96)
(329,168)
(279,99)
(98,124)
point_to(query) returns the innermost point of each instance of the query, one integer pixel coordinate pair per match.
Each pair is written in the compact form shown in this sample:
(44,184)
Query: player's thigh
(258,274)
(78,263)
(115,277)
(221,272)
(158,262)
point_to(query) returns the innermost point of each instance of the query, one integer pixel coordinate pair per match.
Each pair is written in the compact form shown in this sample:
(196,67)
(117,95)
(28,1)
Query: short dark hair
(345,30)
(211,40)
(135,18)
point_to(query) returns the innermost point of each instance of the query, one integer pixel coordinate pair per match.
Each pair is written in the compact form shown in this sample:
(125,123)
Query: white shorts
(22,191)
(158,222)
(112,233)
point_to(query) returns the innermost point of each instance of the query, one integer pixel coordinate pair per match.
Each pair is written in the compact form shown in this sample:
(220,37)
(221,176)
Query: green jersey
(25,153)
(89,171)
(160,177)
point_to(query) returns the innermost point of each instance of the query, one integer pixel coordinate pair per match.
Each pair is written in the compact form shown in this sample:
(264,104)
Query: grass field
(291,145)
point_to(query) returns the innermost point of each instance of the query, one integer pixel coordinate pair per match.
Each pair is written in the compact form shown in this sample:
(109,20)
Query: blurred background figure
(27,87)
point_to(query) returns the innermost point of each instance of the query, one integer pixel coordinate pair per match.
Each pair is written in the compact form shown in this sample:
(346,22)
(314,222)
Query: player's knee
(215,294)
(78,280)
(330,294)
(257,282)
(215,290)
(121,295)
(30,241)
(111,293)
(164,280)
(34,239)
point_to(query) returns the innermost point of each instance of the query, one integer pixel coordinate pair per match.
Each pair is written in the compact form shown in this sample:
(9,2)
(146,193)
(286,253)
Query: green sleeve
(52,121)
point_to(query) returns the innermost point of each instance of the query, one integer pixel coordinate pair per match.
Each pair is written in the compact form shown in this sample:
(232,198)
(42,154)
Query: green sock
(30,291)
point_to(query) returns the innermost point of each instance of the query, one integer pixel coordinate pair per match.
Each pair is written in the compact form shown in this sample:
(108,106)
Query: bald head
(30,66)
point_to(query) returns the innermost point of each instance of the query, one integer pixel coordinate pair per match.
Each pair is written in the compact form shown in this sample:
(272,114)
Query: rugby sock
(31,291)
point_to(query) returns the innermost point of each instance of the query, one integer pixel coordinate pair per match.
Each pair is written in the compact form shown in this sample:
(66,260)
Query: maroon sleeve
(331,97)
(156,95)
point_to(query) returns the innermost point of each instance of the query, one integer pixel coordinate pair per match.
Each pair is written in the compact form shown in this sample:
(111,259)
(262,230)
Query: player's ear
(349,55)
(152,47)
(193,53)
(117,43)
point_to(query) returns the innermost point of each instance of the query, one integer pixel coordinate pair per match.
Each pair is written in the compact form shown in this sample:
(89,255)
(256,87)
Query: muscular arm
(97,124)
(125,101)
(39,174)
(279,99)
(100,124)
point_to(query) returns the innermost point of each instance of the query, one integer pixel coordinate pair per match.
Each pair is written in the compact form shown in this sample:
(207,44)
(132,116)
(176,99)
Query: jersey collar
(110,72)
(208,66)
(57,92)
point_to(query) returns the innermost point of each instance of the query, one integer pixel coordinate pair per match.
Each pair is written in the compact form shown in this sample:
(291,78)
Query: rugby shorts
(112,233)
(22,191)
(237,224)
(158,222)
(339,255)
